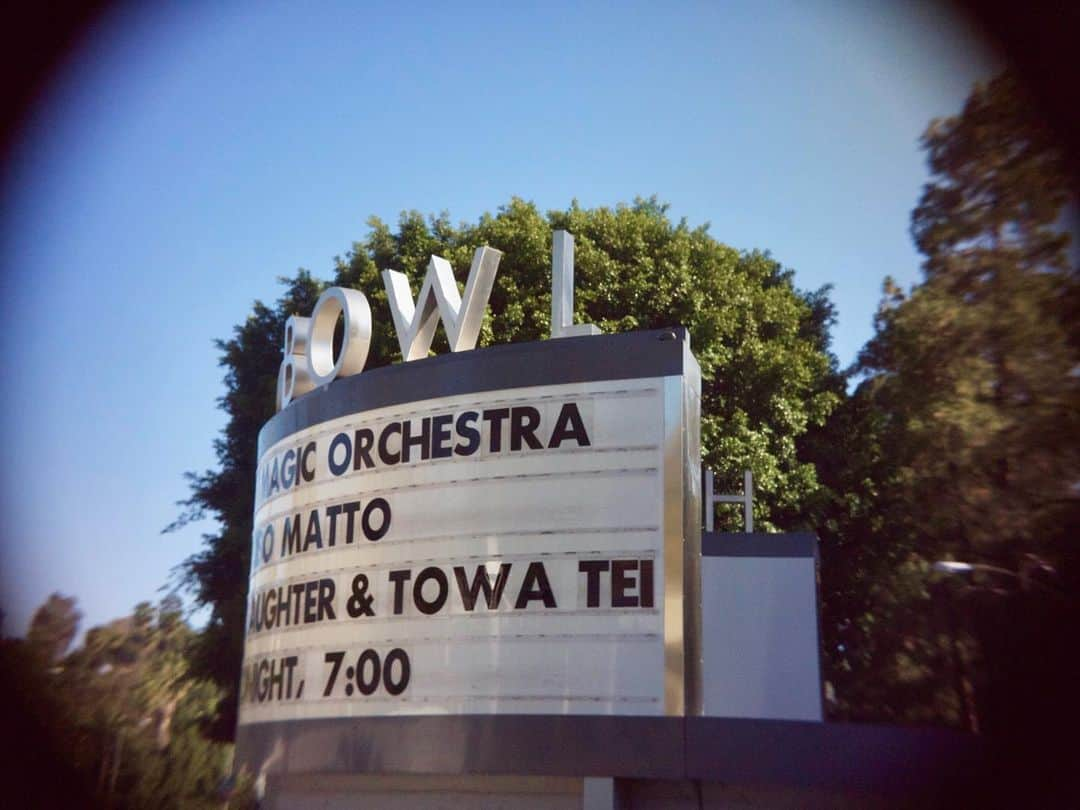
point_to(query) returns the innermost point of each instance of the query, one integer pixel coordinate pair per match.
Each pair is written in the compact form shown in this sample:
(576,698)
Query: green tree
(979,362)
(120,719)
(53,627)
(37,721)
(139,715)
(762,345)
(963,439)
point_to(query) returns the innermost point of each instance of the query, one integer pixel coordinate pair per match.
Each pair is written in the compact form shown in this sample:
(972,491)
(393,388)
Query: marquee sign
(513,530)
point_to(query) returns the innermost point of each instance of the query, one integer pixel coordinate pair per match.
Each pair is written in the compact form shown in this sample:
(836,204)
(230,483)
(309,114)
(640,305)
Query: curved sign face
(508,531)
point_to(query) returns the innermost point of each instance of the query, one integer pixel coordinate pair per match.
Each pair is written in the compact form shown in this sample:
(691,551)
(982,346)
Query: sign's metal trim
(674,563)
(682,540)
(693,650)
(766,752)
(634,355)
(722,544)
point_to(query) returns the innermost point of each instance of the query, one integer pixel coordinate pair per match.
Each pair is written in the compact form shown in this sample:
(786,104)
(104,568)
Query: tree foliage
(53,627)
(120,720)
(978,364)
(963,439)
(762,344)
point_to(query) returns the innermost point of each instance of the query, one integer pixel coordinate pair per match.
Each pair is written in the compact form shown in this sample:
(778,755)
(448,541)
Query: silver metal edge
(693,650)
(820,636)
(674,551)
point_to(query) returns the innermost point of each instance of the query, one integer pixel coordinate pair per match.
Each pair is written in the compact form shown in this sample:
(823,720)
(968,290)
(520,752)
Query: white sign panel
(498,552)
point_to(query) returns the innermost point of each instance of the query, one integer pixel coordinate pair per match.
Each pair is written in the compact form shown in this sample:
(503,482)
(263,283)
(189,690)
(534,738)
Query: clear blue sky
(188,157)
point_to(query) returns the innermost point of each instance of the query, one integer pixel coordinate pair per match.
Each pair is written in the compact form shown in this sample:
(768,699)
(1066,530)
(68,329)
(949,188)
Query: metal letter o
(353,304)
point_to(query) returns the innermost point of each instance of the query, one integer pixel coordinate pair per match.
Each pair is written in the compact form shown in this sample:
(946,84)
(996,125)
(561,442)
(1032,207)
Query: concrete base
(401,792)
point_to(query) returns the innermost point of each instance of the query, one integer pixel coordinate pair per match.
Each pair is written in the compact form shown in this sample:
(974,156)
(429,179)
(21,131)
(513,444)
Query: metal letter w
(415,323)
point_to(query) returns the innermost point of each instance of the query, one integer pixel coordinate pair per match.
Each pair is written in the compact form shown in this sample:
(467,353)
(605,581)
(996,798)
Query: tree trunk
(115,767)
